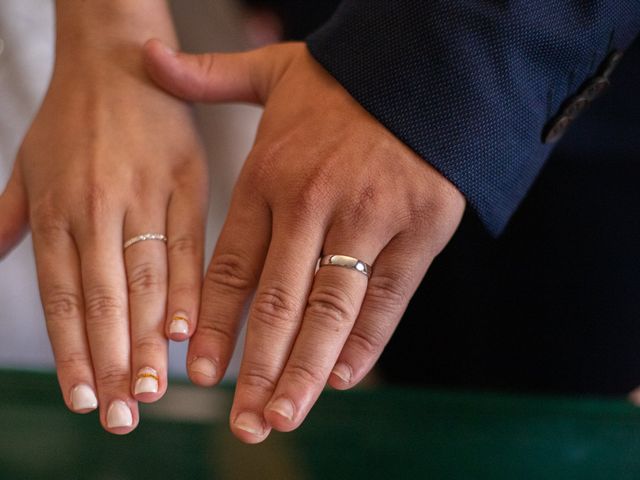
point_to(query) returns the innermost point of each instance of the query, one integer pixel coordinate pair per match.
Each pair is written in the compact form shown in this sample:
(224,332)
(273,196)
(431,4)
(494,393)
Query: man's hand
(108,157)
(324,177)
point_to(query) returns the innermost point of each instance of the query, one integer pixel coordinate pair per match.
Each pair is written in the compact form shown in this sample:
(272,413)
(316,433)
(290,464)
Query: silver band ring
(143,237)
(347,262)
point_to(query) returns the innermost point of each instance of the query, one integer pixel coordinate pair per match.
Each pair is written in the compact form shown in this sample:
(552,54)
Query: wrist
(102,31)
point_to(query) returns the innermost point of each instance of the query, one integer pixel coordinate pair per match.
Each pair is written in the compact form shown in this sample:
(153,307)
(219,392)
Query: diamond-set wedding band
(144,237)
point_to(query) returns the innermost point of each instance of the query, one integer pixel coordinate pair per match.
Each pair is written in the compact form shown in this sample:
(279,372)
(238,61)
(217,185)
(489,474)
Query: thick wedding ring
(347,262)
(143,237)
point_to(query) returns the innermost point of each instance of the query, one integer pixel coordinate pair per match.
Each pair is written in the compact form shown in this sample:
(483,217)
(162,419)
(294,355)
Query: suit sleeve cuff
(470,86)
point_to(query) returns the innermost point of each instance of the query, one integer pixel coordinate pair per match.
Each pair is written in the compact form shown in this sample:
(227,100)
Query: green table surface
(385,433)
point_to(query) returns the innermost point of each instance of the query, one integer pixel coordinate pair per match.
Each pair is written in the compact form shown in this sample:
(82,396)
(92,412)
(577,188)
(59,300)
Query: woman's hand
(324,177)
(14,218)
(109,157)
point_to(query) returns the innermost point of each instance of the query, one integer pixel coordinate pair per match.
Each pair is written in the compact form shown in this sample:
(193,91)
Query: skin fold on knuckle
(72,363)
(103,306)
(367,344)
(145,279)
(47,221)
(60,305)
(258,378)
(150,345)
(229,273)
(305,375)
(388,291)
(113,377)
(310,195)
(95,204)
(274,308)
(330,308)
(214,332)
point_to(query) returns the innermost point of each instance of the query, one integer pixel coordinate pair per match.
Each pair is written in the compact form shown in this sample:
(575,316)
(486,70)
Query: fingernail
(251,423)
(203,366)
(343,372)
(147,381)
(179,324)
(168,50)
(634,397)
(282,406)
(83,398)
(119,415)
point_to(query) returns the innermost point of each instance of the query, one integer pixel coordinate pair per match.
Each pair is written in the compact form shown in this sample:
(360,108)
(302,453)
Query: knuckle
(303,373)
(331,306)
(112,377)
(258,379)
(274,307)
(215,331)
(230,272)
(145,278)
(370,343)
(47,223)
(61,304)
(365,207)
(147,345)
(72,361)
(388,291)
(102,303)
(94,202)
(313,192)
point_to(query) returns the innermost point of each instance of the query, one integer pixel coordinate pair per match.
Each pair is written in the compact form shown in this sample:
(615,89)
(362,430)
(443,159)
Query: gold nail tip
(148,372)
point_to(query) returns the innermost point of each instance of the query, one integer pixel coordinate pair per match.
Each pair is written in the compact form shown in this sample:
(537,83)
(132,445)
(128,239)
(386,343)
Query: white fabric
(26,60)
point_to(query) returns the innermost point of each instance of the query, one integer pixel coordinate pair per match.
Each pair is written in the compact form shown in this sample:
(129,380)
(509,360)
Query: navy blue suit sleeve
(469,85)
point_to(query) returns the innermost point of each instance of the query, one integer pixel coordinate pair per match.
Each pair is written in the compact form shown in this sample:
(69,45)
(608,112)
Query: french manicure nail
(251,423)
(203,366)
(179,324)
(343,372)
(119,415)
(282,406)
(83,398)
(147,381)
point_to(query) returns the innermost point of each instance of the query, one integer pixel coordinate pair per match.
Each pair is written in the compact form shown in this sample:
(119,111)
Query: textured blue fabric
(469,85)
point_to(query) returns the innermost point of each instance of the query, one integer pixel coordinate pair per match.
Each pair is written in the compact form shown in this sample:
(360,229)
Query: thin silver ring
(143,237)
(347,262)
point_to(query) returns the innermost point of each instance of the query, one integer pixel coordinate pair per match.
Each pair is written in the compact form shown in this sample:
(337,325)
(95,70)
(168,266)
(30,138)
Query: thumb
(214,77)
(13,213)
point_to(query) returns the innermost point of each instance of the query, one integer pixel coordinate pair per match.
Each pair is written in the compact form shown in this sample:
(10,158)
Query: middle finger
(107,319)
